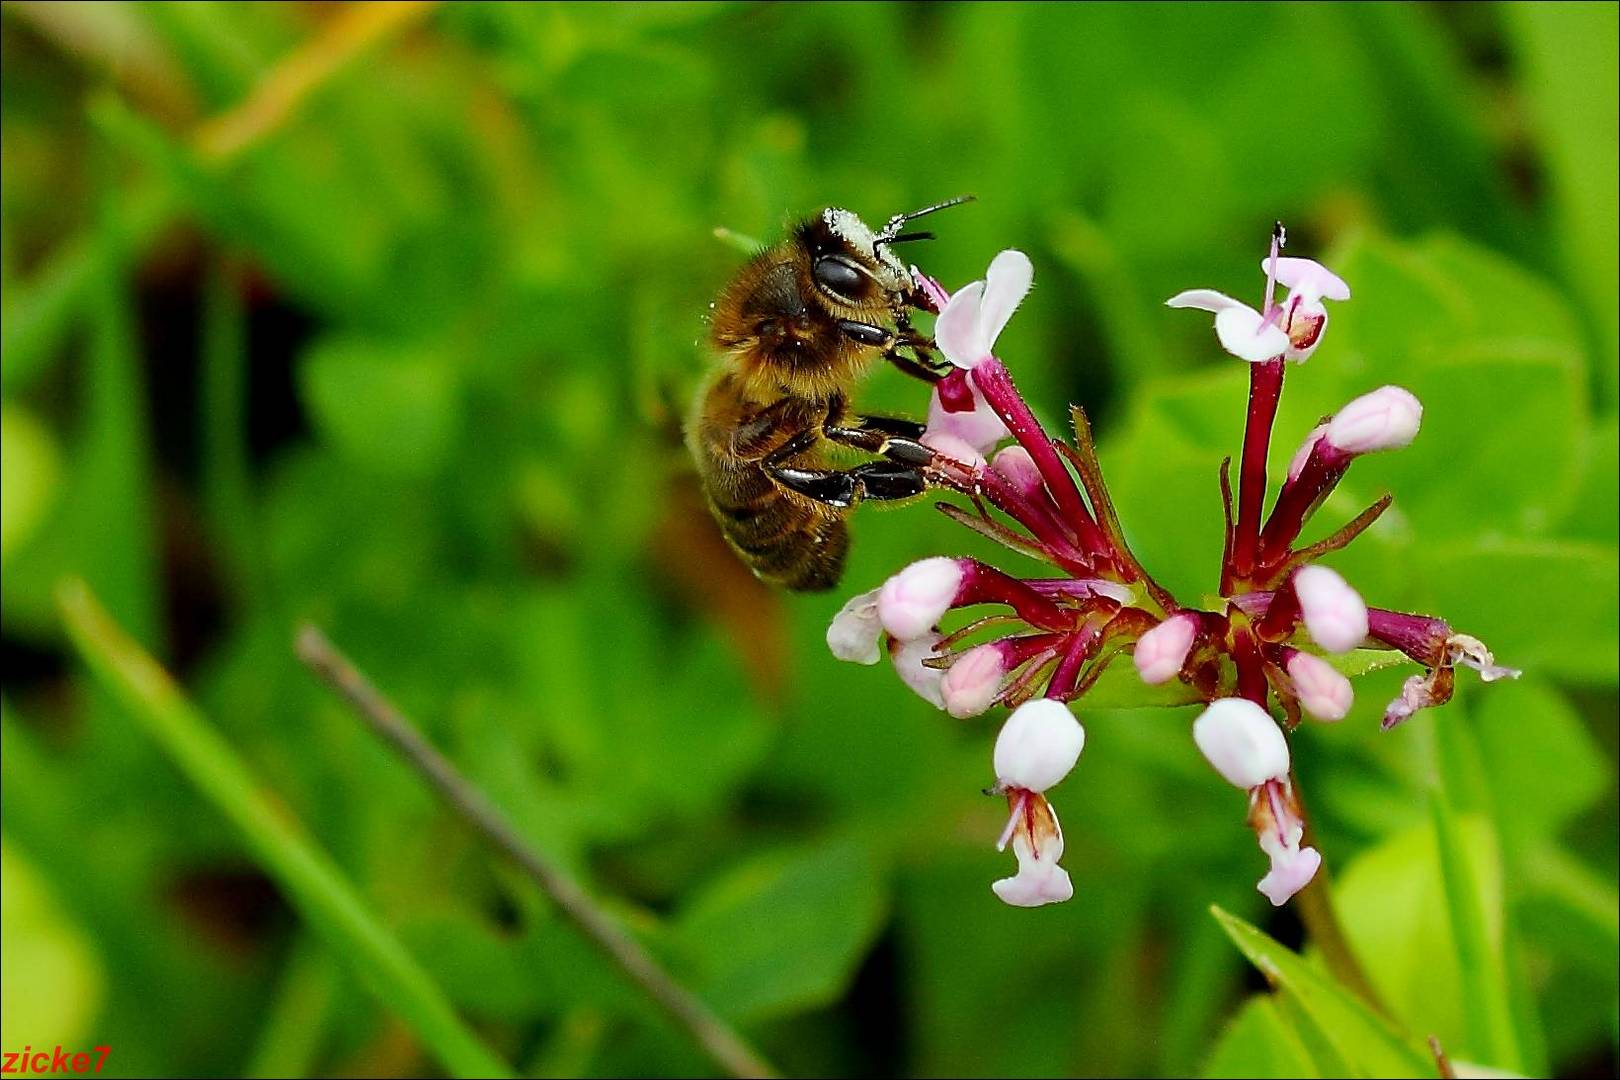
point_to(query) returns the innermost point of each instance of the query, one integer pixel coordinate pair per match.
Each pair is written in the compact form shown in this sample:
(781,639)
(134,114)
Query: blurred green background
(387,317)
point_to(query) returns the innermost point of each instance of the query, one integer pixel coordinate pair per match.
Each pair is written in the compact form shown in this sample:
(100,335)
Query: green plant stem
(226,477)
(308,878)
(723,1045)
(1315,906)
(1441,1061)
(297,1021)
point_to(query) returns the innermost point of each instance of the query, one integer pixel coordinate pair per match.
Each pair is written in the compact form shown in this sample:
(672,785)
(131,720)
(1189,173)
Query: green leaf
(782,932)
(1546,607)
(1473,336)
(1169,502)
(1519,763)
(52,971)
(1394,905)
(481,970)
(1366,1042)
(1120,687)
(114,532)
(299,1014)
(392,409)
(1482,975)
(1596,508)
(1258,1042)
(1568,62)
(29,466)
(1521,478)
(1579,895)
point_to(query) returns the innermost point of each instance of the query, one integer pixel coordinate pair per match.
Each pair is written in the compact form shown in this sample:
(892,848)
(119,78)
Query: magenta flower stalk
(1259,657)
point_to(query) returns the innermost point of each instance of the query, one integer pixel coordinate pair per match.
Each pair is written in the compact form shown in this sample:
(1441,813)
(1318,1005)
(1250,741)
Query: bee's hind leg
(879,480)
(900,477)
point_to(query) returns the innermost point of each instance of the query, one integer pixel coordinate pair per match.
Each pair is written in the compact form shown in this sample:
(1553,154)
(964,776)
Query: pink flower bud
(1303,454)
(1162,650)
(912,602)
(1323,692)
(1386,419)
(1241,740)
(974,680)
(1334,613)
(1019,468)
(1038,745)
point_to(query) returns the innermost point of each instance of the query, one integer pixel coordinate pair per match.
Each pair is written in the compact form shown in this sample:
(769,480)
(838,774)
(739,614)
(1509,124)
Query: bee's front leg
(922,353)
(919,365)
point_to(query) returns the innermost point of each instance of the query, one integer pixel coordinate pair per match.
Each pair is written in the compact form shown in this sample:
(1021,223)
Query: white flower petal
(954,447)
(1242,334)
(1014,463)
(1040,880)
(1203,300)
(1303,454)
(1469,651)
(908,657)
(958,331)
(854,631)
(1035,884)
(1291,870)
(1417,692)
(979,427)
(1008,281)
(1309,278)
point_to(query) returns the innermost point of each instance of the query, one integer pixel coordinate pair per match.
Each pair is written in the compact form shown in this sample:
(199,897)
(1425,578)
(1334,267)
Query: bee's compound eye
(837,276)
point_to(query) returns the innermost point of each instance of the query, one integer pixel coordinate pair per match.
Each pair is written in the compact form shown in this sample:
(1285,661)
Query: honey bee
(796,328)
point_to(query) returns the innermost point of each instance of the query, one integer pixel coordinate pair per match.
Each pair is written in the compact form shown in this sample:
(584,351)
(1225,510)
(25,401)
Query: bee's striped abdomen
(786,538)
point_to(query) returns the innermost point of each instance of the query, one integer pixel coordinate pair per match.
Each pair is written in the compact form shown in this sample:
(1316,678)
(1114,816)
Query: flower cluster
(1261,653)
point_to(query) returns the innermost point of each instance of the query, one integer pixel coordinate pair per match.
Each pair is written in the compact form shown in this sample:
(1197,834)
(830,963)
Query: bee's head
(813,311)
(854,267)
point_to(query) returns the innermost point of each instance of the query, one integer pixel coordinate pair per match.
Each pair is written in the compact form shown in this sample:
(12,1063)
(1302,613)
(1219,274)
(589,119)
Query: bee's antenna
(891,231)
(908,237)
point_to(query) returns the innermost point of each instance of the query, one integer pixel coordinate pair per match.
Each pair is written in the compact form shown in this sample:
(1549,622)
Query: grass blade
(304,872)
